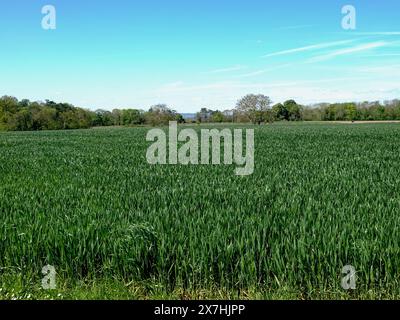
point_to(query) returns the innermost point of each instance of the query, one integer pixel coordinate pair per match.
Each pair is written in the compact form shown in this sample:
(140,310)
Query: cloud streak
(388,33)
(308,48)
(262,71)
(348,51)
(225,70)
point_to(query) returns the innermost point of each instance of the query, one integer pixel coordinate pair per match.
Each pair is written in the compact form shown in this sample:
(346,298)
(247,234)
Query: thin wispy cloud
(382,55)
(232,85)
(382,71)
(225,70)
(262,71)
(308,48)
(387,33)
(348,51)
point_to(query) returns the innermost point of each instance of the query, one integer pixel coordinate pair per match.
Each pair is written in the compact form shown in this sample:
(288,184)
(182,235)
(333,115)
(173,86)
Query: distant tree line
(159,114)
(24,115)
(364,111)
(259,109)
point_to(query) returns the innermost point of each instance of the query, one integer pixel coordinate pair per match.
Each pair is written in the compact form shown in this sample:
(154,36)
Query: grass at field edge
(15,288)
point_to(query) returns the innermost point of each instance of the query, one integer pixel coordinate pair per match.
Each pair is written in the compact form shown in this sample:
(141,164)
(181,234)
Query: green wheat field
(322,196)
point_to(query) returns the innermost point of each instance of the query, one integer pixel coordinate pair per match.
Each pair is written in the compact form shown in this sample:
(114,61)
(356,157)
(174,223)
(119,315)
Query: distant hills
(188,116)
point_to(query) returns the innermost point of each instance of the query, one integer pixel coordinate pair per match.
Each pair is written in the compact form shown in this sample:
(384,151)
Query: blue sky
(193,54)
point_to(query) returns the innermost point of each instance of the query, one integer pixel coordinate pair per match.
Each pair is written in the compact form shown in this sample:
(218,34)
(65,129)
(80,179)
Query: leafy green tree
(84,118)
(351,111)
(117,117)
(23,120)
(132,117)
(217,117)
(160,114)
(329,113)
(103,118)
(8,107)
(179,118)
(24,103)
(280,112)
(47,119)
(293,110)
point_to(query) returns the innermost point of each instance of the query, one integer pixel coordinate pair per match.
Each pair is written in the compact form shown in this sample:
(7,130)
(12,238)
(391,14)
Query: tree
(22,120)
(117,117)
(160,114)
(131,117)
(46,119)
(24,103)
(217,116)
(204,115)
(351,111)
(268,116)
(293,110)
(103,118)
(8,107)
(254,107)
(84,118)
(228,115)
(280,112)
(311,113)
(179,118)
(329,113)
